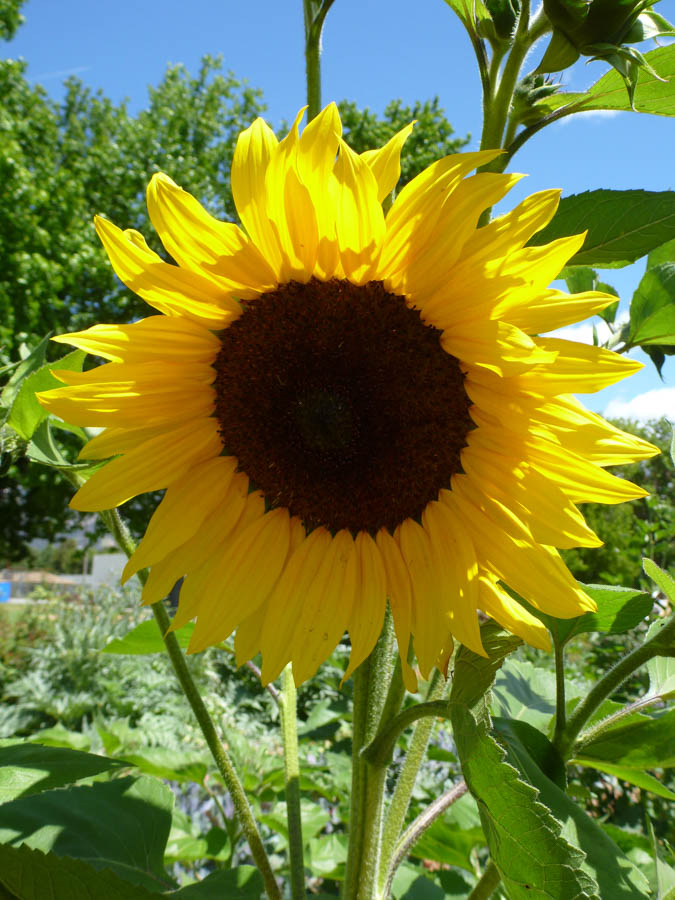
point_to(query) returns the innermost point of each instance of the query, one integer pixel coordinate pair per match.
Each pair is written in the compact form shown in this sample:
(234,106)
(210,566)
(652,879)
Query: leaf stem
(611,721)
(122,536)
(486,884)
(609,683)
(289,732)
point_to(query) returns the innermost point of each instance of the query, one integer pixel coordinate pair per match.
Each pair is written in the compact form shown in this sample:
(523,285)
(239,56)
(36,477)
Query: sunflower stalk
(125,542)
(289,732)
(487,883)
(315,15)
(371,689)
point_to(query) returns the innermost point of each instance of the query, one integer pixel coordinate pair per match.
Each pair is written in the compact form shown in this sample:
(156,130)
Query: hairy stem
(289,731)
(558,651)
(412,834)
(315,14)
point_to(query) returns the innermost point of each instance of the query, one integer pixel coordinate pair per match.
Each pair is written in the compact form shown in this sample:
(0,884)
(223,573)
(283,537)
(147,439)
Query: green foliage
(10,18)
(622,225)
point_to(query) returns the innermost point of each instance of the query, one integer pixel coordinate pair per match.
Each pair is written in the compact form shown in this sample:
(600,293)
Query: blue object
(5,591)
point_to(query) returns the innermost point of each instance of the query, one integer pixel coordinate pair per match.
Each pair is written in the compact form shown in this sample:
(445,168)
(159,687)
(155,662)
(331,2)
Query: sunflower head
(348,409)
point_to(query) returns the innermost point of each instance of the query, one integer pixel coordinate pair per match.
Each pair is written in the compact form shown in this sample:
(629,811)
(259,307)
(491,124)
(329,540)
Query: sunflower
(348,409)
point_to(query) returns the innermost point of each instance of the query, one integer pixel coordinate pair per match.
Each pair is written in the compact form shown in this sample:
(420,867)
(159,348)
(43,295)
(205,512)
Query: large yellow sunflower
(347,408)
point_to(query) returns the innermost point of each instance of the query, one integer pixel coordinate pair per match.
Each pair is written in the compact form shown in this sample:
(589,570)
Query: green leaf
(27,768)
(215,844)
(652,309)
(43,449)
(663,254)
(559,55)
(663,580)
(633,776)
(473,674)
(121,825)
(326,856)
(58,736)
(174,765)
(535,861)
(651,94)
(619,610)
(449,844)
(661,669)
(314,819)
(146,638)
(33,875)
(26,413)
(26,367)
(614,873)
(622,225)
(537,745)
(241,883)
(525,692)
(648,744)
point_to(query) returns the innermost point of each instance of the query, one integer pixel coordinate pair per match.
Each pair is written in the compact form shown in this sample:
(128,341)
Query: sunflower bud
(602,29)
(529,99)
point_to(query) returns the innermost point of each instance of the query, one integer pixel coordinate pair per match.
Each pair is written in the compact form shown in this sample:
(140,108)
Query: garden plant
(382,677)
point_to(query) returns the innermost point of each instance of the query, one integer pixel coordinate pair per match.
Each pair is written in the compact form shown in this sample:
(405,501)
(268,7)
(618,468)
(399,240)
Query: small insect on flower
(348,409)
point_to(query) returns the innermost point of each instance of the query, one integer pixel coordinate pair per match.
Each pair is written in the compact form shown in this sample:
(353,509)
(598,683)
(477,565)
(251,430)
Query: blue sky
(374,51)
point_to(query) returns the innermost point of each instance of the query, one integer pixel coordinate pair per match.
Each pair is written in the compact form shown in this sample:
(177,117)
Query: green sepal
(560,54)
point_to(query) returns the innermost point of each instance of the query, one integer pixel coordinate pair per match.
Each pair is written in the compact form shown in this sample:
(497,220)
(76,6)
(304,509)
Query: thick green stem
(243,811)
(398,807)
(315,14)
(657,645)
(289,732)
(487,883)
(558,651)
(371,691)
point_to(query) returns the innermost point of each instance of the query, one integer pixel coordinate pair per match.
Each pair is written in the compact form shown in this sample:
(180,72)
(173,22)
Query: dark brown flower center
(340,404)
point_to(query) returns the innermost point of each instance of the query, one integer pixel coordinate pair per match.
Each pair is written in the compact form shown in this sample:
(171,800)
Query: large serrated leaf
(473,675)
(27,768)
(622,226)
(612,871)
(32,875)
(534,860)
(652,309)
(122,825)
(652,95)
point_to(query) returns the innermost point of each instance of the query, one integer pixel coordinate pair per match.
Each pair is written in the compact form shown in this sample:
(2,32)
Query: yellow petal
(170,289)
(152,465)
(498,346)
(158,337)
(286,601)
(511,615)
(242,578)
(252,154)
(550,309)
(113,441)
(507,548)
(578,368)
(327,607)
(220,251)
(385,163)
(367,616)
(183,508)
(359,219)
(399,592)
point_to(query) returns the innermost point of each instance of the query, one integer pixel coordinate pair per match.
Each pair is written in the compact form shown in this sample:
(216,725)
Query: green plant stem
(609,722)
(371,690)
(558,653)
(243,811)
(314,19)
(289,732)
(609,683)
(380,751)
(412,834)
(398,807)
(486,884)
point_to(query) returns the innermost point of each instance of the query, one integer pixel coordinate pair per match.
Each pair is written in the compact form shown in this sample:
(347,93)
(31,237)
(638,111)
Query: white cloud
(650,405)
